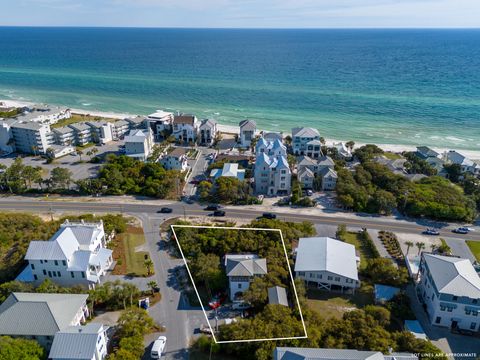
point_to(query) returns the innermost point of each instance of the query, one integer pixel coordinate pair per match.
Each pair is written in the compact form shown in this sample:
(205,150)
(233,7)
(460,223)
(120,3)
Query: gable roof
(457,158)
(38,313)
(245,265)
(426,152)
(305,132)
(306,161)
(454,276)
(184,119)
(291,353)
(328,172)
(247,124)
(305,172)
(326,254)
(76,342)
(277,295)
(325,161)
(208,123)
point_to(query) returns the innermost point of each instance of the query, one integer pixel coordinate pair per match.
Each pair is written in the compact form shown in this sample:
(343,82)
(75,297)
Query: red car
(217,300)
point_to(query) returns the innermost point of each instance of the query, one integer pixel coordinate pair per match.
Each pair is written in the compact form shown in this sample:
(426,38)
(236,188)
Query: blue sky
(242,13)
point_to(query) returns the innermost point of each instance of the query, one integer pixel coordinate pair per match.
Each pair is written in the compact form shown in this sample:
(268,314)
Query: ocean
(403,87)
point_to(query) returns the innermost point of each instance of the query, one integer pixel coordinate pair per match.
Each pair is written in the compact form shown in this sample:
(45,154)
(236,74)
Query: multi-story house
(450,289)
(86,342)
(272,175)
(207,132)
(306,141)
(270,148)
(175,160)
(65,136)
(137,122)
(139,144)
(75,255)
(7,143)
(466,165)
(185,128)
(83,133)
(248,132)
(45,115)
(161,123)
(297,353)
(241,269)
(322,168)
(32,137)
(327,264)
(40,316)
(102,131)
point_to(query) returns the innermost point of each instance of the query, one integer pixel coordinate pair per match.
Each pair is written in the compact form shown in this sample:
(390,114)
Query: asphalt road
(180,209)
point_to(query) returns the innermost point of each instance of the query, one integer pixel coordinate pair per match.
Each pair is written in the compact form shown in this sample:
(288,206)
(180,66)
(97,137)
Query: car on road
(165,210)
(461,230)
(431,231)
(158,347)
(219,213)
(213,207)
(241,305)
(269,216)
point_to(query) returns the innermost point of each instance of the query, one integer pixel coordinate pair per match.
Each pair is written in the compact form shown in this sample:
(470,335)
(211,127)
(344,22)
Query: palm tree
(420,246)
(409,245)
(433,247)
(148,264)
(80,153)
(153,285)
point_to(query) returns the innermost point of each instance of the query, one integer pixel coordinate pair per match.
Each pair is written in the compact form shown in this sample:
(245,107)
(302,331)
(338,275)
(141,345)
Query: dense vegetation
(373,188)
(20,349)
(415,165)
(17,230)
(226,190)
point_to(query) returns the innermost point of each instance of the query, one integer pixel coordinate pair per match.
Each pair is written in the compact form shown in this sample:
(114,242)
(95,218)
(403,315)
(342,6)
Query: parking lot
(80,169)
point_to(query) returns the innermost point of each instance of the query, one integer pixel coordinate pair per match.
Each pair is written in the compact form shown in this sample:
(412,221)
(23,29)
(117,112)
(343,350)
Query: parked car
(309,192)
(461,230)
(269,216)
(205,329)
(431,231)
(217,300)
(219,213)
(158,347)
(165,210)
(241,305)
(213,207)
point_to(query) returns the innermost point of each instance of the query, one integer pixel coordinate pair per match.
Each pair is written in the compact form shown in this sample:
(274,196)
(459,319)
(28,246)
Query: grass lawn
(392,156)
(354,239)
(128,260)
(330,304)
(76,118)
(86,146)
(474,248)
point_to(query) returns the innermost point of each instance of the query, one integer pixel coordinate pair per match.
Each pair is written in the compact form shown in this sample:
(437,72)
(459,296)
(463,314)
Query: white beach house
(241,269)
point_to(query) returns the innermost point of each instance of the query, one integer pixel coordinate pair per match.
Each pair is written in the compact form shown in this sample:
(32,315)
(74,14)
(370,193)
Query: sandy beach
(472,154)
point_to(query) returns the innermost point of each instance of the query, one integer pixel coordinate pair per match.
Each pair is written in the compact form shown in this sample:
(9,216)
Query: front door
(454,324)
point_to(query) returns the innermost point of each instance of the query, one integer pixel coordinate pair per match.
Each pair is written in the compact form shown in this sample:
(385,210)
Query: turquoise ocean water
(386,86)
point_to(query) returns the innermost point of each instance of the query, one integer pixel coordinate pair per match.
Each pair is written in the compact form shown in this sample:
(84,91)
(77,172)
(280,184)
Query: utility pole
(51,212)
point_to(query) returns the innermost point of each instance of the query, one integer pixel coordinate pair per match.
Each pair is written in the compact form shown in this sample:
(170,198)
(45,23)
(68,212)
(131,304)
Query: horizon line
(239,28)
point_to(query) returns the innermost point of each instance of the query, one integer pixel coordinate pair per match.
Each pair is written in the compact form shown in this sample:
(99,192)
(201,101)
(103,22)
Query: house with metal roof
(248,131)
(322,168)
(306,141)
(466,165)
(270,148)
(40,316)
(277,295)
(241,269)
(139,144)
(208,131)
(327,263)
(87,342)
(292,353)
(75,255)
(450,288)
(228,170)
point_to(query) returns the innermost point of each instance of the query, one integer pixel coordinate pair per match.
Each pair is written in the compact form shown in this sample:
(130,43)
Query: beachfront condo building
(450,289)
(161,123)
(208,131)
(31,137)
(139,144)
(47,115)
(306,141)
(248,132)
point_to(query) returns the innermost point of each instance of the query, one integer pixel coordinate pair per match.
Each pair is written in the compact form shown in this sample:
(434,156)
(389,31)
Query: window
(32,266)
(319,276)
(49,274)
(475,313)
(46,261)
(56,263)
(438,319)
(468,311)
(35,277)
(54,274)
(330,277)
(83,275)
(337,278)
(239,286)
(311,275)
(59,274)
(72,273)
(44,272)
(474,301)
(301,273)
(64,263)
(449,309)
(442,307)
(454,298)
(41,261)
(473,325)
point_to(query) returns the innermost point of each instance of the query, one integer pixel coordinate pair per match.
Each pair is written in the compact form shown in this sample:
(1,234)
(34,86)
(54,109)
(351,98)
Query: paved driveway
(198,166)
(460,248)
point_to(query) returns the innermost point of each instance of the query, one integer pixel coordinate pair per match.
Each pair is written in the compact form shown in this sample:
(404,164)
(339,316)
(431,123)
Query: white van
(158,347)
